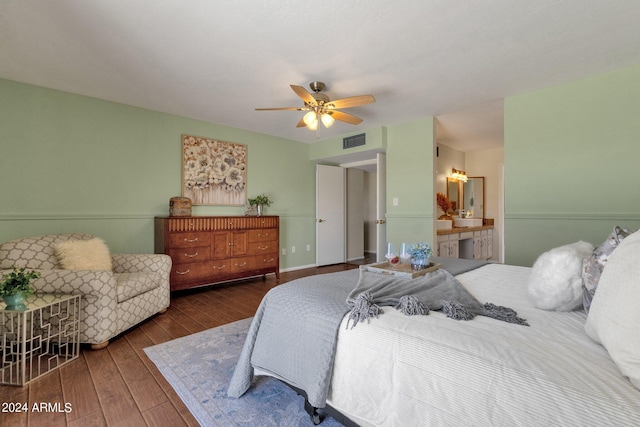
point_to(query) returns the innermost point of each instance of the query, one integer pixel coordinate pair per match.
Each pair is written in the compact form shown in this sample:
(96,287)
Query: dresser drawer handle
(268,260)
(183,272)
(220,268)
(190,240)
(191,256)
(241,265)
(263,248)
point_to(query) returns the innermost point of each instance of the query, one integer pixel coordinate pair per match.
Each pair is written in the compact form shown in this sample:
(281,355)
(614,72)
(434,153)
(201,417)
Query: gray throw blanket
(436,291)
(293,333)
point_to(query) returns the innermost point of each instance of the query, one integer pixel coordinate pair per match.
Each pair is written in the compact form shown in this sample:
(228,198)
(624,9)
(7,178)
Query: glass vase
(418,264)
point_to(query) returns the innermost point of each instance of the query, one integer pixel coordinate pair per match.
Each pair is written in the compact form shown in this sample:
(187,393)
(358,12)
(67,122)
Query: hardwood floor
(119,385)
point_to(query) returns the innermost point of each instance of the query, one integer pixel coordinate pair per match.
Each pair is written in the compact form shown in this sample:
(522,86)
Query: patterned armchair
(112,301)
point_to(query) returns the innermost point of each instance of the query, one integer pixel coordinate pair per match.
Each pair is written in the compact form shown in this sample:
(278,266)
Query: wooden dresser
(210,249)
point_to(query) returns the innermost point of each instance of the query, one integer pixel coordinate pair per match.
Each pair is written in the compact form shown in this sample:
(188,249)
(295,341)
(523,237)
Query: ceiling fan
(321,109)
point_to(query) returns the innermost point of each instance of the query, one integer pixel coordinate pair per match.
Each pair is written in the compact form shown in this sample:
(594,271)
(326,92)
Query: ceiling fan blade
(352,101)
(304,94)
(301,123)
(284,108)
(344,117)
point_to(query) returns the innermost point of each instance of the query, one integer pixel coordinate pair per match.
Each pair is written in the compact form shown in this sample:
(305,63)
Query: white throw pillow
(90,254)
(555,282)
(614,317)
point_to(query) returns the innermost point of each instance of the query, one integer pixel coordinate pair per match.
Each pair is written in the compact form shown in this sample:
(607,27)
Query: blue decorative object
(15,302)
(420,254)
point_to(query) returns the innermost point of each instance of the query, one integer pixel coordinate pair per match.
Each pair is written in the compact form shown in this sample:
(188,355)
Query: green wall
(571,156)
(411,179)
(410,152)
(73,163)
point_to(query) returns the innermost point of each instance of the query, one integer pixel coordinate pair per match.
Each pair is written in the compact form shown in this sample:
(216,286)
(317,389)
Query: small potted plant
(260,201)
(15,287)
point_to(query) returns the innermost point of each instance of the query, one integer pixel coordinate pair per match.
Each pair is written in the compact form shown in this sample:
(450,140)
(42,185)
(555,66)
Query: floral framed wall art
(214,172)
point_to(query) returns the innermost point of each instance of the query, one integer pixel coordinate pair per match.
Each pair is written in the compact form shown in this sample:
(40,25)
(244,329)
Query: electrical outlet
(308,248)
(395,201)
(284,251)
(293,249)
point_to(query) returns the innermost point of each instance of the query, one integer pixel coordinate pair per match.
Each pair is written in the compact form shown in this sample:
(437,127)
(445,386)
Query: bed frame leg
(313,412)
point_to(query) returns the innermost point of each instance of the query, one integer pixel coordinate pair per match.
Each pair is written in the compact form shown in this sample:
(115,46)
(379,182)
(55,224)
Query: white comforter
(430,370)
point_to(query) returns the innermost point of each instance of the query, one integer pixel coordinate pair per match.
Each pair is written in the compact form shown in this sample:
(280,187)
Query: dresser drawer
(259,248)
(219,268)
(238,265)
(189,240)
(253,263)
(190,254)
(263,235)
(193,272)
(266,261)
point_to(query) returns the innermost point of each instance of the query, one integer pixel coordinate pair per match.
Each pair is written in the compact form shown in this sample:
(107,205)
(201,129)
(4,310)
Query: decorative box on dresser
(211,249)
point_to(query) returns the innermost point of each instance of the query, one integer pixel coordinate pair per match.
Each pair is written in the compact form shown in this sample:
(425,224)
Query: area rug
(199,368)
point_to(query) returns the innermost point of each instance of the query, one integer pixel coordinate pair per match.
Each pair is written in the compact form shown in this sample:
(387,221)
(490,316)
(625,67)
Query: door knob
(380,221)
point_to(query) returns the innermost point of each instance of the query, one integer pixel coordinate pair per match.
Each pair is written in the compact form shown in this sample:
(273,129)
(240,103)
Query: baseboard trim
(298,267)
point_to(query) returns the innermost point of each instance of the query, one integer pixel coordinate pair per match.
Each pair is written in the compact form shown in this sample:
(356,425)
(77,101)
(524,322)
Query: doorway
(365,209)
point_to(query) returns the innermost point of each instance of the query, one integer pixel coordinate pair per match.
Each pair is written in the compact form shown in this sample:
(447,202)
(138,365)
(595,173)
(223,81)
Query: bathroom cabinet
(466,242)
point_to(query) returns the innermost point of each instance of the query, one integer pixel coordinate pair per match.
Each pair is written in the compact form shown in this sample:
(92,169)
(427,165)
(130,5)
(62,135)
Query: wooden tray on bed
(401,270)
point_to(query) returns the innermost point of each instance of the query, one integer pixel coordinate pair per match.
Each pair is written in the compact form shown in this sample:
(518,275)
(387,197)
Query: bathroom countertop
(464,229)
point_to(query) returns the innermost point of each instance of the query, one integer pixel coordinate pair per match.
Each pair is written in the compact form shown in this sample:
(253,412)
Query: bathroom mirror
(473,196)
(453,193)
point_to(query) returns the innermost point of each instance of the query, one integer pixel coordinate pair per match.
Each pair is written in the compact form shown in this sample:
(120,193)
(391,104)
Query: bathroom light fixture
(459,175)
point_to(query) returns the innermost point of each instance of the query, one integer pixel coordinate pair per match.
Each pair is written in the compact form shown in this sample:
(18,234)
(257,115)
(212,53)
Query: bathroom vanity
(467,236)
(474,242)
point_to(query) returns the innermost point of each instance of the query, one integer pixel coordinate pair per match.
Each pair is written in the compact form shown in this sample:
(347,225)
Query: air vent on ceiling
(353,141)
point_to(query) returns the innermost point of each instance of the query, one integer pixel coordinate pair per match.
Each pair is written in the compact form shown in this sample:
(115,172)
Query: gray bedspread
(293,333)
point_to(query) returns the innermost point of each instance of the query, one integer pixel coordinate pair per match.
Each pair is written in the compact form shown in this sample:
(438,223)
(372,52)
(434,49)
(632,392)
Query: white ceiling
(476,127)
(218,60)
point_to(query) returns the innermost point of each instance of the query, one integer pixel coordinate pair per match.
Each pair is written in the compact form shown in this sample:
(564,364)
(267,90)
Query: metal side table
(39,339)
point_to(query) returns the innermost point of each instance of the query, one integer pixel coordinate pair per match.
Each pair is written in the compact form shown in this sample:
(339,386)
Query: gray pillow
(593,265)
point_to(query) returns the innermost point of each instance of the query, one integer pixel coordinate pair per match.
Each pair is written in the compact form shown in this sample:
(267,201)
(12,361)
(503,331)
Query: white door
(381,207)
(330,215)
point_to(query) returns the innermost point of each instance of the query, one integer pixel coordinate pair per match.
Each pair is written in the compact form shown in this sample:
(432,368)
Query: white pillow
(614,317)
(90,254)
(555,282)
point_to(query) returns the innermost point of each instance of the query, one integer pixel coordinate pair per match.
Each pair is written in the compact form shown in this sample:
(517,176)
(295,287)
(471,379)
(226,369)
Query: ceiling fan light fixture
(313,125)
(310,117)
(320,107)
(327,120)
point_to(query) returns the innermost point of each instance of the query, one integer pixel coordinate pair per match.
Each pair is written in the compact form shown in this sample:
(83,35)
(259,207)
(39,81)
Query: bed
(398,370)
